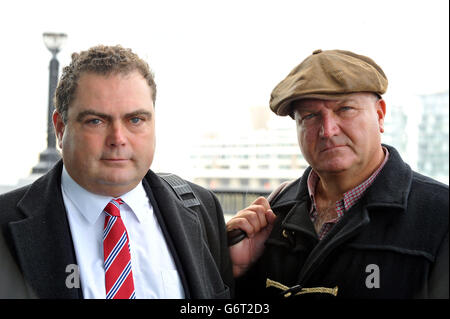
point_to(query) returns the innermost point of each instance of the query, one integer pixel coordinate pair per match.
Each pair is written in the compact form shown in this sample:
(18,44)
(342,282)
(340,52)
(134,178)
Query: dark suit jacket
(36,244)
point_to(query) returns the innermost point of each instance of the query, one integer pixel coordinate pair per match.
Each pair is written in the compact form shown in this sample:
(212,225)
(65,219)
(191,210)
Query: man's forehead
(332,100)
(314,102)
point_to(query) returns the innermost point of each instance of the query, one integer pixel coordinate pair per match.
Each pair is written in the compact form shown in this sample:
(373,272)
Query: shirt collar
(137,200)
(91,205)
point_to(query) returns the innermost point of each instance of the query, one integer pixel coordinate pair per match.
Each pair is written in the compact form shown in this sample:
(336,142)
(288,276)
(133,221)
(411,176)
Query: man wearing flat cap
(359,223)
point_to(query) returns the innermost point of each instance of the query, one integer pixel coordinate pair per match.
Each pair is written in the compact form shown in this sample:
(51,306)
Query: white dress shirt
(154,271)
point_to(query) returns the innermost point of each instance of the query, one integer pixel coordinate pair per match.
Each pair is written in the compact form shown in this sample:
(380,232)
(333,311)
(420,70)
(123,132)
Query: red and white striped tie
(116,253)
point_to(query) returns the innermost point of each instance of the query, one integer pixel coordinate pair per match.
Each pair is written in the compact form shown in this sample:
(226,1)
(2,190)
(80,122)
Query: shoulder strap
(277,191)
(181,188)
(236,235)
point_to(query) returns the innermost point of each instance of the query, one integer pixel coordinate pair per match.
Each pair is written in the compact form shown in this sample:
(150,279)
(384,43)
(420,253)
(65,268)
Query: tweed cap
(328,75)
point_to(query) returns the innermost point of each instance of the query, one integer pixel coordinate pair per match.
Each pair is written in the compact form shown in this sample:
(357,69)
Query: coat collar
(42,239)
(390,188)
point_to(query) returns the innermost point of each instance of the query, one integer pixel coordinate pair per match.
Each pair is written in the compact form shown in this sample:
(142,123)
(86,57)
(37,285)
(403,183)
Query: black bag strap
(181,188)
(236,235)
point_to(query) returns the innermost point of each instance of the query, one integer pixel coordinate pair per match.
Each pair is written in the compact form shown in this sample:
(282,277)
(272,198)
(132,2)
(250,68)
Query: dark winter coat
(393,243)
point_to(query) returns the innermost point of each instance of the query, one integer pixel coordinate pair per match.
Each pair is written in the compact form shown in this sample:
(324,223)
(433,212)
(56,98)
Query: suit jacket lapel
(42,239)
(184,231)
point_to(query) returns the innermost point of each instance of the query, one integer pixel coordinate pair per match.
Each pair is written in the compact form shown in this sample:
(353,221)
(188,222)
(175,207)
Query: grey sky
(212,59)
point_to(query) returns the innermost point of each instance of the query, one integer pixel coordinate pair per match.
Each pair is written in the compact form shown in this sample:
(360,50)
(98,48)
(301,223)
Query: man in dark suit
(101,224)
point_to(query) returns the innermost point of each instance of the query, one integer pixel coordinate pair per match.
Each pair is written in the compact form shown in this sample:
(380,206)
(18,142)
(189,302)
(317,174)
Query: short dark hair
(102,60)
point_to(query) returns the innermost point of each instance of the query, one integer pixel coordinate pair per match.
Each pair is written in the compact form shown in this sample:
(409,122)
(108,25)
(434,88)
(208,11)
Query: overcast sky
(212,59)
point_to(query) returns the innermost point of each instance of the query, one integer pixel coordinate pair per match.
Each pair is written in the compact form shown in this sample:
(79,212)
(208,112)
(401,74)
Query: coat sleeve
(225,260)
(213,223)
(438,279)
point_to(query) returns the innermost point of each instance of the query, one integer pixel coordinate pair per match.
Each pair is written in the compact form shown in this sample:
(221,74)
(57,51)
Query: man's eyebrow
(345,101)
(139,112)
(85,113)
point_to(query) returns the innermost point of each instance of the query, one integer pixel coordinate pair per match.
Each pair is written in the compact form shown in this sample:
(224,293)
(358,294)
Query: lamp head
(54,41)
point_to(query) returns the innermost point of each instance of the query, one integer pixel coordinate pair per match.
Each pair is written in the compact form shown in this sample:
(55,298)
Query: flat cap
(327,75)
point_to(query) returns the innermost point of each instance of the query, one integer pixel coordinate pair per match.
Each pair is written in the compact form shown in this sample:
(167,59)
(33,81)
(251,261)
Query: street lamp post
(53,42)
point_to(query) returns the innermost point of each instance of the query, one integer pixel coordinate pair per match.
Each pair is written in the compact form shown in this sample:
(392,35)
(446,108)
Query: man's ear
(59,127)
(381,112)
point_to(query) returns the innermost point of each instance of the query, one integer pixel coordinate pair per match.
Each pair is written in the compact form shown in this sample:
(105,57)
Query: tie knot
(113,207)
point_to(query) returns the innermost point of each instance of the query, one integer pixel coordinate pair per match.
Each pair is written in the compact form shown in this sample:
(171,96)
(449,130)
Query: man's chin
(116,180)
(335,167)
(114,188)
(115,177)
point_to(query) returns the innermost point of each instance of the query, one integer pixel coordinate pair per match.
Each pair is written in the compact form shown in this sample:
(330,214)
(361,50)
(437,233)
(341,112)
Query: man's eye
(308,116)
(94,121)
(135,120)
(347,111)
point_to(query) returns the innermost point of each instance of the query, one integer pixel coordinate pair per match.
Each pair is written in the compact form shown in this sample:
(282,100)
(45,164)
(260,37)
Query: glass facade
(433,140)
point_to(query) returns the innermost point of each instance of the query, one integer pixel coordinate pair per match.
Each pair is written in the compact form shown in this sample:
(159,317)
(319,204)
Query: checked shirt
(344,204)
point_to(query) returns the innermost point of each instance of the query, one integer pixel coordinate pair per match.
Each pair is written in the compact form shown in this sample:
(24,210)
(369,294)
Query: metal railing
(233,200)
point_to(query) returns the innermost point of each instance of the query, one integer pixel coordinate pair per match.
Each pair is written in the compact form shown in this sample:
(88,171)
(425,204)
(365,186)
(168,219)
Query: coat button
(285,233)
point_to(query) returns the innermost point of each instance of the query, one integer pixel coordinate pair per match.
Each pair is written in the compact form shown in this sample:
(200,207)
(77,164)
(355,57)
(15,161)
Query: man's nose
(116,135)
(329,126)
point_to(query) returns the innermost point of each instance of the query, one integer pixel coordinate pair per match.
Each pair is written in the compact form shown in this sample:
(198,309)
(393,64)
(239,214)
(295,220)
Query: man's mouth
(115,160)
(331,147)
